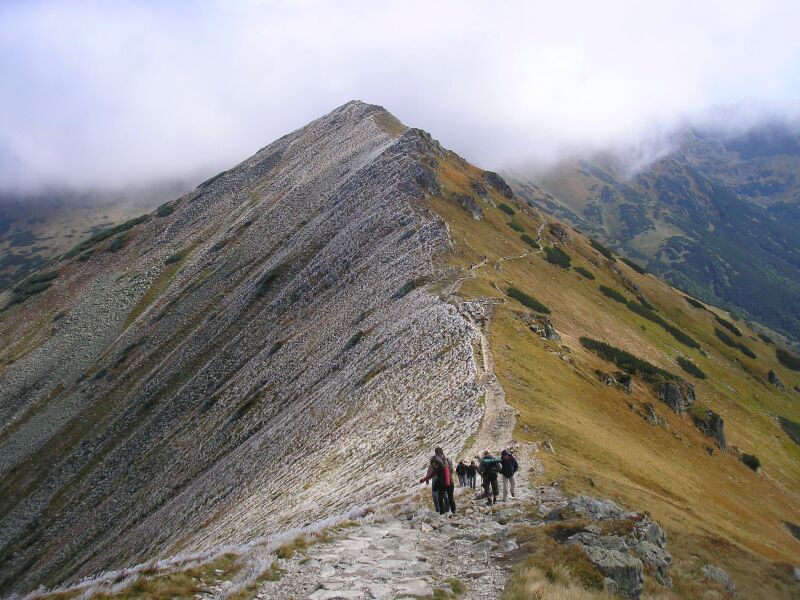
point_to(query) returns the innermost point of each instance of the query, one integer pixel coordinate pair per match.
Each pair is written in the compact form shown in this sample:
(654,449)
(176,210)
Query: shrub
(408,287)
(643,301)
(164,210)
(173,258)
(506,209)
(516,226)
(636,267)
(602,249)
(751,460)
(117,244)
(765,338)
(691,368)
(585,272)
(746,351)
(557,257)
(724,337)
(351,343)
(626,361)
(530,241)
(105,234)
(695,303)
(613,294)
(31,286)
(728,325)
(648,314)
(527,300)
(788,360)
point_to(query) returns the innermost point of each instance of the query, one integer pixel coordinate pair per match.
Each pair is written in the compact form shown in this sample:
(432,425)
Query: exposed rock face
(775,380)
(712,425)
(498,183)
(652,417)
(469,204)
(678,395)
(179,406)
(543,326)
(625,570)
(714,573)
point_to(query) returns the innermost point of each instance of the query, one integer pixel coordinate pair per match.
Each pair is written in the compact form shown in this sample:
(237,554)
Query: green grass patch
(790,428)
(165,210)
(557,257)
(31,286)
(527,300)
(173,258)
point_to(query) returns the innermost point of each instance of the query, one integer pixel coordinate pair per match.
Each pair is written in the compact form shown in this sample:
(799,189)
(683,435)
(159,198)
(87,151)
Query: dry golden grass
(598,431)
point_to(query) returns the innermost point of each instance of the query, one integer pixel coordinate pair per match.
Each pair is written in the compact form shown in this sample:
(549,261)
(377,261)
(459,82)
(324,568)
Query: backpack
(448,478)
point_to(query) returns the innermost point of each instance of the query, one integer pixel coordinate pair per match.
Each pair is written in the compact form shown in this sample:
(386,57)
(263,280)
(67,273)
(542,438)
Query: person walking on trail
(461,471)
(447,496)
(491,466)
(472,471)
(435,474)
(509,466)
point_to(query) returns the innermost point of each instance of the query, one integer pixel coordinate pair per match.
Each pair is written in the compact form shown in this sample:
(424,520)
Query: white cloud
(107,93)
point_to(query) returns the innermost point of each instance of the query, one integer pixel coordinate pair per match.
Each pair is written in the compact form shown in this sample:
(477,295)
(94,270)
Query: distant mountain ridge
(718,216)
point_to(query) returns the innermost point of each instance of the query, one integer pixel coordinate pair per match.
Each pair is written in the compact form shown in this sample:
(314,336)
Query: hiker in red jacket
(440,473)
(449,486)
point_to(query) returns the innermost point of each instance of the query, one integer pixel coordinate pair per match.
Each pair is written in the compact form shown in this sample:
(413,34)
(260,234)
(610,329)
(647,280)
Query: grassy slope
(714,508)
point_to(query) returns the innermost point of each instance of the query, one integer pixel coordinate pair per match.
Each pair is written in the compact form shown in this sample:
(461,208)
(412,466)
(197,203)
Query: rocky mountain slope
(717,216)
(280,349)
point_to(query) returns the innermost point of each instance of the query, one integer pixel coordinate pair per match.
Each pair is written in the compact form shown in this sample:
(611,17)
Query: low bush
(751,460)
(636,267)
(765,338)
(648,314)
(728,325)
(557,257)
(691,368)
(746,351)
(585,272)
(602,249)
(643,301)
(117,244)
(105,234)
(506,209)
(788,360)
(613,294)
(695,303)
(627,361)
(164,210)
(516,226)
(530,241)
(527,300)
(173,258)
(31,286)
(724,337)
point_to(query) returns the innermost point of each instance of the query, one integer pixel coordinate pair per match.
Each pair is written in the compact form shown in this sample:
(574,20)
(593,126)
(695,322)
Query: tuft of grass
(527,300)
(584,272)
(557,256)
(289,549)
(648,314)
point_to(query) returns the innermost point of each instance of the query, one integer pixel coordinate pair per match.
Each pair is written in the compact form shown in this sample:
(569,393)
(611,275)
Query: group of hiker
(440,474)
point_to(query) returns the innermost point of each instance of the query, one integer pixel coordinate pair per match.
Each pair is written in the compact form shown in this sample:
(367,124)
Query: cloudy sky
(114,93)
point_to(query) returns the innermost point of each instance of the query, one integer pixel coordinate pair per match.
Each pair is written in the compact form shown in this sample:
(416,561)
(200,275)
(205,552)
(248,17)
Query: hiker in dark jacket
(448,485)
(461,471)
(435,474)
(490,467)
(472,471)
(509,467)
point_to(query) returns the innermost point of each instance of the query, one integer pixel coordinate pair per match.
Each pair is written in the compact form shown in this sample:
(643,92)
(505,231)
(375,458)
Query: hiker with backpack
(461,471)
(509,466)
(490,467)
(449,484)
(439,473)
(472,471)
(435,474)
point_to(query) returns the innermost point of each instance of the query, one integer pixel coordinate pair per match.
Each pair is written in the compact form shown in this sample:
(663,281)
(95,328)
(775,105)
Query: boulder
(498,183)
(678,395)
(626,570)
(479,189)
(609,542)
(469,204)
(657,558)
(712,425)
(597,509)
(653,533)
(714,573)
(652,417)
(775,380)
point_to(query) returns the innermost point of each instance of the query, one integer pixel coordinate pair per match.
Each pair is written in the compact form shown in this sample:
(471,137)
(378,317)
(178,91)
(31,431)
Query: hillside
(717,216)
(284,345)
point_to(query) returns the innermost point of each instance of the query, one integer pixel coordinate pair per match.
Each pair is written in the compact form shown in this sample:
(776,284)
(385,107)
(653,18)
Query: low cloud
(121,93)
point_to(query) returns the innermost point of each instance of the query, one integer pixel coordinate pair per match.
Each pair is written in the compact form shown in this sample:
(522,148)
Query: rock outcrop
(775,380)
(678,395)
(712,425)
